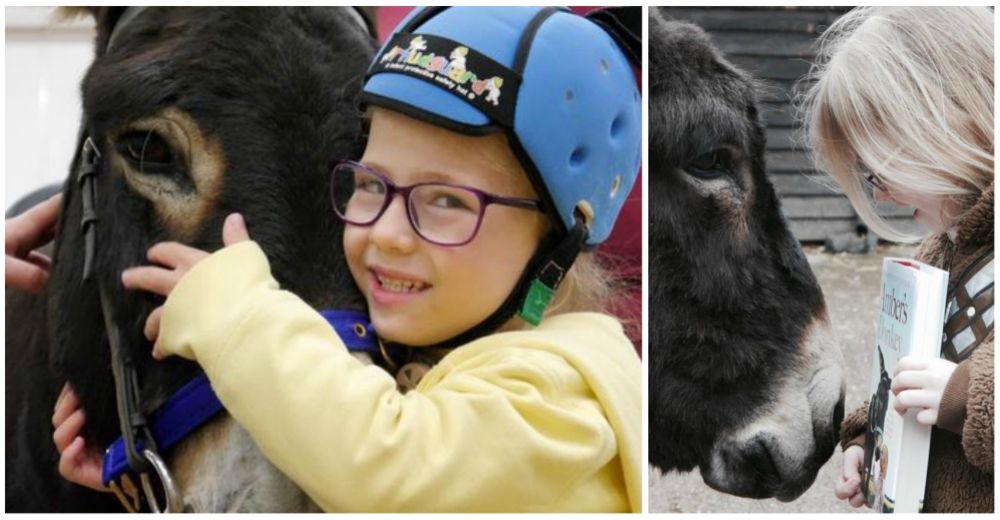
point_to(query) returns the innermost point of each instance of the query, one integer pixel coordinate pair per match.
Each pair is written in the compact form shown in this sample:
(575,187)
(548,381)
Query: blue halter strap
(195,403)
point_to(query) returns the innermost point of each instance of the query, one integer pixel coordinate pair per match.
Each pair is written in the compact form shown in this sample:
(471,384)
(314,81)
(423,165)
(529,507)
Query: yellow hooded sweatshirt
(547,419)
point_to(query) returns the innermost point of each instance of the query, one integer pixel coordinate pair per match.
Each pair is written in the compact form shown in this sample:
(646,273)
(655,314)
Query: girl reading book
(902,111)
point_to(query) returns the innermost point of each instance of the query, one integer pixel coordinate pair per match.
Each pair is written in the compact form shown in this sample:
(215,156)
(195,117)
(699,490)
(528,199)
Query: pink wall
(390,16)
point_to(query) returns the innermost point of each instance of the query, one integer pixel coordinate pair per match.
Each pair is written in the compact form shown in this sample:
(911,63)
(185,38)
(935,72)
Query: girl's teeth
(400,285)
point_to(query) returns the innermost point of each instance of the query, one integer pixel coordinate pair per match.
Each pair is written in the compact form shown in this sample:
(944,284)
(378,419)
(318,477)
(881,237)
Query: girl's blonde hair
(588,287)
(905,93)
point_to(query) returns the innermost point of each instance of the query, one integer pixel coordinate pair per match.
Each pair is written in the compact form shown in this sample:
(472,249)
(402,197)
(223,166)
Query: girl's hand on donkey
(919,383)
(78,463)
(848,485)
(177,259)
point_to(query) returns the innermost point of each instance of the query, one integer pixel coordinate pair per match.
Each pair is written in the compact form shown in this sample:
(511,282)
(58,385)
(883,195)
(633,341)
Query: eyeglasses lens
(442,214)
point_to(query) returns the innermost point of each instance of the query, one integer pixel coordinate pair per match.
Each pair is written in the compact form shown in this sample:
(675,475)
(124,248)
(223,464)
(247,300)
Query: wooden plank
(773,92)
(816,208)
(815,184)
(780,92)
(778,114)
(784,138)
(789,161)
(817,230)
(780,19)
(749,43)
(830,207)
(780,68)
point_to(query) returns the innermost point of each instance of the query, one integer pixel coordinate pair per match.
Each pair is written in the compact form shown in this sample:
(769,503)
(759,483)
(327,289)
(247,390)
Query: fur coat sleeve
(977,430)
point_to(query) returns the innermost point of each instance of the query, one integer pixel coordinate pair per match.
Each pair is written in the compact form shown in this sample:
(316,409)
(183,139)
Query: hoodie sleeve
(494,426)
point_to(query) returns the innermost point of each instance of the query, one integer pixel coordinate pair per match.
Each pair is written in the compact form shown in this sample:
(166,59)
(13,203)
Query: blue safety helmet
(561,89)
(556,82)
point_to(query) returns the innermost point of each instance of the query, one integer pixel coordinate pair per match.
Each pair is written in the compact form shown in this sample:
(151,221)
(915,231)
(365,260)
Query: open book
(910,324)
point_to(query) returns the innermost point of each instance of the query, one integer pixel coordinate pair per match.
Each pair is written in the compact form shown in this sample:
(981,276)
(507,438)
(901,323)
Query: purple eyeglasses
(874,181)
(441,213)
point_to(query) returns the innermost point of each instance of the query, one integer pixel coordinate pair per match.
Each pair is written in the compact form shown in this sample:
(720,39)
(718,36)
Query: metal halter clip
(131,498)
(173,502)
(90,148)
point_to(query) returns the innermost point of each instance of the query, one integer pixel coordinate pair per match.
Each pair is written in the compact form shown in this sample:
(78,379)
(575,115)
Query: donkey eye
(147,152)
(711,165)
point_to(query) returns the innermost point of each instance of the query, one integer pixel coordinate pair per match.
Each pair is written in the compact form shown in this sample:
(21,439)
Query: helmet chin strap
(534,290)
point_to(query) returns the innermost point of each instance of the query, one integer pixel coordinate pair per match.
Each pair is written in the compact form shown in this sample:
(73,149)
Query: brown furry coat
(960,470)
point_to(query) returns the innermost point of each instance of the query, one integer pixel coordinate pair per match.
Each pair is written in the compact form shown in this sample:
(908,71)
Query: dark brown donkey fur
(198,113)
(744,381)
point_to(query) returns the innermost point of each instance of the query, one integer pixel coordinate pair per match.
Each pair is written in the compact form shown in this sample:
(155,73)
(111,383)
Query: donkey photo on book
(745,382)
(189,115)
(874,434)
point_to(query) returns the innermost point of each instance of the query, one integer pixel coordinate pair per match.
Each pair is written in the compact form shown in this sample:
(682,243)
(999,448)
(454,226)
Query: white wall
(44,63)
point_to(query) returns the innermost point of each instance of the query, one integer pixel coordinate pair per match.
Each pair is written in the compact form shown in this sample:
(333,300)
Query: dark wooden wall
(775,45)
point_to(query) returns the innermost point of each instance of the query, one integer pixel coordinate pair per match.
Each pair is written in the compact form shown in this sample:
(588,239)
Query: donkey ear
(105,19)
(624,24)
(368,15)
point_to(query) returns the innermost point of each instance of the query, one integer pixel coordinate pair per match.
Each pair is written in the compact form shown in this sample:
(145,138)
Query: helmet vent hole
(577,158)
(569,96)
(617,125)
(616,185)
(604,67)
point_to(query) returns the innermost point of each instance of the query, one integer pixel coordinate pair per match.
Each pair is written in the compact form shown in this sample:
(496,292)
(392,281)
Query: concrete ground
(851,287)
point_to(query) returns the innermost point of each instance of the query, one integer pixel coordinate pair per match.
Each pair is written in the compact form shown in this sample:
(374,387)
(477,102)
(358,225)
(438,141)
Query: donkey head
(198,113)
(744,382)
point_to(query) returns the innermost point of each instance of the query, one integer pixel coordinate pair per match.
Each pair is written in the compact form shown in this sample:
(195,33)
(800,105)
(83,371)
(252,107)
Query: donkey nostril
(577,158)
(760,457)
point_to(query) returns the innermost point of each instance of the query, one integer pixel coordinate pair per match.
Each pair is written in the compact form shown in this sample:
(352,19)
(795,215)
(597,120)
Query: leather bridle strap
(139,445)
(132,421)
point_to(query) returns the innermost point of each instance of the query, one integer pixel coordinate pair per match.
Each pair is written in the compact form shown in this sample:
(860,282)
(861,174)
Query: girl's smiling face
(420,293)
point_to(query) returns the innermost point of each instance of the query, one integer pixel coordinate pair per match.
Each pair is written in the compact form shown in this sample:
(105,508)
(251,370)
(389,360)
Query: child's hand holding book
(919,382)
(849,482)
